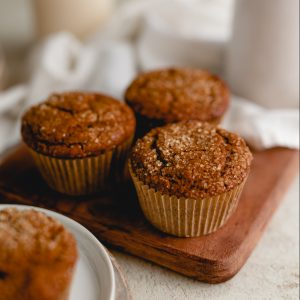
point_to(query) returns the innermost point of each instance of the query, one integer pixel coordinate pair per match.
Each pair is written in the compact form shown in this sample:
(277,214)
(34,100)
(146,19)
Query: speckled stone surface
(272,271)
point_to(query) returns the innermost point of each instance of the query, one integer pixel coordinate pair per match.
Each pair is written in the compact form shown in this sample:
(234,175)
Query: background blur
(20,24)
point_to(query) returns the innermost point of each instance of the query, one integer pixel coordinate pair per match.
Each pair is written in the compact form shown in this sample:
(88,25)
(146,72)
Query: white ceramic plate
(94,276)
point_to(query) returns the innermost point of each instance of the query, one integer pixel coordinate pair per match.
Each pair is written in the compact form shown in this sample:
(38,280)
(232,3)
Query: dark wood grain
(115,218)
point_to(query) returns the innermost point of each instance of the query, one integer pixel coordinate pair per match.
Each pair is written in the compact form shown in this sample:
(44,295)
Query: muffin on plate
(189,176)
(37,256)
(79,140)
(176,94)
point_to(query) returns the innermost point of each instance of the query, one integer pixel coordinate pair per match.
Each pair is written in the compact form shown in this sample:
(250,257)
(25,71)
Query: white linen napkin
(144,35)
(263,128)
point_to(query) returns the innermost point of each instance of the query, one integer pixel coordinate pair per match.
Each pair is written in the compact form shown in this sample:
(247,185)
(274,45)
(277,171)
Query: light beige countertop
(272,271)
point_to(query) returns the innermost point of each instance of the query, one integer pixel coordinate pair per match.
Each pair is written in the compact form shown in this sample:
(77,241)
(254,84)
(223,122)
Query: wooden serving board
(116,219)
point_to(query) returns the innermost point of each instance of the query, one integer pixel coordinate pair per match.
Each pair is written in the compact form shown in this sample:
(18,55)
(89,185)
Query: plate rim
(84,230)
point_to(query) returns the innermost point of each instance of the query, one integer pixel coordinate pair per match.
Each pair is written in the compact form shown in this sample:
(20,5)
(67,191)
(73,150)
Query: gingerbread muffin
(189,176)
(37,256)
(176,94)
(79,140)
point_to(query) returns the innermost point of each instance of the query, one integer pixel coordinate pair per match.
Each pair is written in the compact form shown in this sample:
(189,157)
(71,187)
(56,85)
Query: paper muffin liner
(184,217)
(82,176)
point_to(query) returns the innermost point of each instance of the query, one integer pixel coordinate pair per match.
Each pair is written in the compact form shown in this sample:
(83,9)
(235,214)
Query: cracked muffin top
(77,125)
(191,159)
(37,255)
(178,94)
(34,237)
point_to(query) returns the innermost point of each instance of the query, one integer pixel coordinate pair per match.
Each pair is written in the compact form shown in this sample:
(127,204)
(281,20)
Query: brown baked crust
(77,125)
(178,94)
(37,256)
(191,159)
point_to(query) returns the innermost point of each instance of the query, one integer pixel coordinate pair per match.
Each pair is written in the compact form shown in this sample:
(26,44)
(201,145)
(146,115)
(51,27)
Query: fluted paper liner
(185,217)
(82,176)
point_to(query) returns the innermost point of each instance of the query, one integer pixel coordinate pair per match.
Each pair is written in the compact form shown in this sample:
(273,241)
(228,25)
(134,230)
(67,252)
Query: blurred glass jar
(81,17)
(263,56)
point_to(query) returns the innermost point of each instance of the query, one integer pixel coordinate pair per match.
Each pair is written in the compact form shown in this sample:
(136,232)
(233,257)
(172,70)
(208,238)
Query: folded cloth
(143,35)
(11,104)
(261,127)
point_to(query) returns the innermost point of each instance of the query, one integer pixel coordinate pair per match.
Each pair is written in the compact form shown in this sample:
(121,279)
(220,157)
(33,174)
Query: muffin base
(184,217)
(83,176)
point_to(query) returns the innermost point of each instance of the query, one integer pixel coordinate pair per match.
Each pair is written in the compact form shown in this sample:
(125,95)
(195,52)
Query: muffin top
(191,159)
(37,256)
(31,238)
(77,125)
(177,94)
